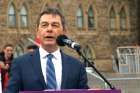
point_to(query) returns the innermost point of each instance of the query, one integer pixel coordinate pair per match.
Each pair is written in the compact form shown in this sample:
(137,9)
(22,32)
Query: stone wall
(101,40)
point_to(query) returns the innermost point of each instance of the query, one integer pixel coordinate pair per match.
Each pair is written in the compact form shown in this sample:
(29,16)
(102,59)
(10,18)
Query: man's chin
(50,44)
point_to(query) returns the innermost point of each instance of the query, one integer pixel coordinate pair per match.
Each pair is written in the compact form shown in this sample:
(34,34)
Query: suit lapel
(37,67)
(65,68)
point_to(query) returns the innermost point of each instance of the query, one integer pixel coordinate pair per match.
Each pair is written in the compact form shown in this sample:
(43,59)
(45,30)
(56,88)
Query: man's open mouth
(51,37)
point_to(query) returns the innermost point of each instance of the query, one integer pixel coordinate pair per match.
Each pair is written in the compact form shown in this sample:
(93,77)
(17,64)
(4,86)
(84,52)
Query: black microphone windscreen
(60,39)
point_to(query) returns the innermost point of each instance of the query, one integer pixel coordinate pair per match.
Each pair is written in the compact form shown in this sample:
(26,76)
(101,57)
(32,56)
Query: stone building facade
(100,26)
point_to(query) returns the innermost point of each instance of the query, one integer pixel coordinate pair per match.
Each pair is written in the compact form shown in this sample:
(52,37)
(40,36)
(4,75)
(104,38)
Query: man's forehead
(56,16)
(50,18)
(8,47)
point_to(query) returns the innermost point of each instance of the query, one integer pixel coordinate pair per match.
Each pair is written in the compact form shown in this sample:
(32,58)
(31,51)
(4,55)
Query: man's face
(8,51)
(50,27)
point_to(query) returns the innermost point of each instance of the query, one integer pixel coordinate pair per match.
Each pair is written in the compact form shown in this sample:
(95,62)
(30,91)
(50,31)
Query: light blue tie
(51,79)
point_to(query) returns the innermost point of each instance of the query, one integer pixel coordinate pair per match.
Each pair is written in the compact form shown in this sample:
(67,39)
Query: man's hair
(53,11)
(7,45)
(32,47)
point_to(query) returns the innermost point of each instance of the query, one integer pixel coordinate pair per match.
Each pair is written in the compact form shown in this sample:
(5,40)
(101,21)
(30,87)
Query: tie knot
(50,56)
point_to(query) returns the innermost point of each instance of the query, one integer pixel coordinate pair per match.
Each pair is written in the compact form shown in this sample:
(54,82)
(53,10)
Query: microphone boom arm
(105,80)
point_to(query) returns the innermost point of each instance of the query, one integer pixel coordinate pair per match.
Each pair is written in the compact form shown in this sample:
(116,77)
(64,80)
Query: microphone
(63,40)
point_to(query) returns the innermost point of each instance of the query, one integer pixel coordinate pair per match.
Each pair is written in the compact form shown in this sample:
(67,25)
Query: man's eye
(43,25)
(55,25)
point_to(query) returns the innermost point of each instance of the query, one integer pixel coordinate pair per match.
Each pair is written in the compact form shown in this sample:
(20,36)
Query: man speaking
(47,67)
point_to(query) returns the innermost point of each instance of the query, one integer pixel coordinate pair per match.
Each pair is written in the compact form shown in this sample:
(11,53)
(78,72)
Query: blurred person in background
(6,57)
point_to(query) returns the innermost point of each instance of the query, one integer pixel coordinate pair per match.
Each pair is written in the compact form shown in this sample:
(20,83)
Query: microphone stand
(105,80)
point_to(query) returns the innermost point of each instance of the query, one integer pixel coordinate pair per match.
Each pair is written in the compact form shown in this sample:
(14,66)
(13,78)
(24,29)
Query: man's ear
(65,32)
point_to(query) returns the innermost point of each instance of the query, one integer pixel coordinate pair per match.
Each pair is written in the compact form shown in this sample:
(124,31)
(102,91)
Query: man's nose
(49,28)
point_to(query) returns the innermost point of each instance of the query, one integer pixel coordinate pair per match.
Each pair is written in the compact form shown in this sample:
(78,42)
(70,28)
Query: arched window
(90,18)
(112,19)
(23,17)
(11,16)
(45,7)
(59,7)
(79,15)
(122,19)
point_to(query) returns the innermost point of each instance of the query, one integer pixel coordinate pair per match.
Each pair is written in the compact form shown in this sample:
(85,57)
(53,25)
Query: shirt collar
(44,53)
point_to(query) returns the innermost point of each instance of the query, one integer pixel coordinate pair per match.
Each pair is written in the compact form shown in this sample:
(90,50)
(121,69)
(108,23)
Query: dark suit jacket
(26,74)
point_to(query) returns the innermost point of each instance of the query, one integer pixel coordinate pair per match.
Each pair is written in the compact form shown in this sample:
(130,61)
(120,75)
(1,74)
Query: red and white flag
(35,41)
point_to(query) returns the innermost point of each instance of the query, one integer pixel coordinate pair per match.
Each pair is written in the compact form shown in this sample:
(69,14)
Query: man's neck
(50,49)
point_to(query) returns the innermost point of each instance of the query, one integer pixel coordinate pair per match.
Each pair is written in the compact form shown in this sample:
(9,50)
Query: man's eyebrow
(43,22)
(56,23)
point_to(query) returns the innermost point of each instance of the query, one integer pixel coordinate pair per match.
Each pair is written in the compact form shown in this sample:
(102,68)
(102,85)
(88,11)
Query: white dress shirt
(57,61)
